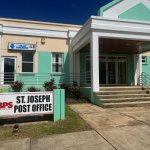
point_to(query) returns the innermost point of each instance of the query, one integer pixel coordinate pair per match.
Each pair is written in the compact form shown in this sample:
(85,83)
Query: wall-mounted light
(43,41)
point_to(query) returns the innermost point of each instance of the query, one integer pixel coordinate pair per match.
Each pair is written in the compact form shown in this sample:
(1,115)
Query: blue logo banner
(17,46)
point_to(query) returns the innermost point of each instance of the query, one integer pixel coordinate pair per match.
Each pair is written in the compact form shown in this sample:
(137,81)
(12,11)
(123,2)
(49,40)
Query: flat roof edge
(39,22)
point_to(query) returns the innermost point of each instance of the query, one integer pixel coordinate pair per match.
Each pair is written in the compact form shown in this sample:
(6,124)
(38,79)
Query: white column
(77,67)
(71,62)
(137,68)
(140,68)
(94,50)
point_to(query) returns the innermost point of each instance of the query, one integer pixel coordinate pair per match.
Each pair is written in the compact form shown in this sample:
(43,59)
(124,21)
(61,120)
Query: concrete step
(126,104)
(122,96)
(121,88)
(121,100)
(123,92)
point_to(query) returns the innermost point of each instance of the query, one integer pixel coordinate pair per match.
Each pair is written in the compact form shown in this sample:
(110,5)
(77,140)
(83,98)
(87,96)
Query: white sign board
(26,103)
(19,46)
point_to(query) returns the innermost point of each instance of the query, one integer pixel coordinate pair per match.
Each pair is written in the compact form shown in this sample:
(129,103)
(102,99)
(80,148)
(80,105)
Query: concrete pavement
(21,144)
(123,128)
(113,129)
(88,140)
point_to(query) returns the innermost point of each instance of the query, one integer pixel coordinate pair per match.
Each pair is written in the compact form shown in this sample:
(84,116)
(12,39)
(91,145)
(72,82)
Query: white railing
(38,79)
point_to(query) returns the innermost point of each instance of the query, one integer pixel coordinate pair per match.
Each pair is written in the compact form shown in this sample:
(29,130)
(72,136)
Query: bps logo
(6,105)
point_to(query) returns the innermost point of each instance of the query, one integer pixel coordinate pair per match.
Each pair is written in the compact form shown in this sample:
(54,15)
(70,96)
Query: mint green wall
(28,78)
(130,72)
(45,60)
(146,67)
(44,66)
(45,71)
(86,91)
(139,12)
(66,67)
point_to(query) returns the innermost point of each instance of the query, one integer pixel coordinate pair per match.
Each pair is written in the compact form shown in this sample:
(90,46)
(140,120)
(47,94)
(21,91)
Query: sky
(58,11)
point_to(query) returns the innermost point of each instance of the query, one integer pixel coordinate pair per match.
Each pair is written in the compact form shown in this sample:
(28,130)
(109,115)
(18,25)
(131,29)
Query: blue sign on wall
(18,46)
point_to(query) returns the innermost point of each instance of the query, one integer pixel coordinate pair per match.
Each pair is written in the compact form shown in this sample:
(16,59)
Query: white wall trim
(81,43)
(38,32)
(72,33)
(34,32)
(120,25)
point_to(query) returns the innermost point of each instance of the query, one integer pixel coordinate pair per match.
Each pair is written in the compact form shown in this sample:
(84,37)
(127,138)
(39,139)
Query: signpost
(36,103)
(26,103)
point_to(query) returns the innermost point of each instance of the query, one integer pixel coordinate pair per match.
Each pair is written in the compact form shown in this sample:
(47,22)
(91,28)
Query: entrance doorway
(8,69)
(112,70)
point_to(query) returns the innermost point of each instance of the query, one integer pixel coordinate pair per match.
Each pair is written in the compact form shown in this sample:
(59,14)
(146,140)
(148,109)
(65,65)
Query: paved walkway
(113,129)
(122,128)
(88,140)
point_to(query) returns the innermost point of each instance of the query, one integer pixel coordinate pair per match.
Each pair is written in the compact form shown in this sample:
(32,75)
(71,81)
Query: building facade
(35,51)
(111,48)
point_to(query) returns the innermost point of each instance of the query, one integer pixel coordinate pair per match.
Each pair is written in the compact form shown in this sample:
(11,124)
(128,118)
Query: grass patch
(72,123)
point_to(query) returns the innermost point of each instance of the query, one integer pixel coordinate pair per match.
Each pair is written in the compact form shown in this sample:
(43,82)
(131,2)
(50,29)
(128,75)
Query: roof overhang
(111,28)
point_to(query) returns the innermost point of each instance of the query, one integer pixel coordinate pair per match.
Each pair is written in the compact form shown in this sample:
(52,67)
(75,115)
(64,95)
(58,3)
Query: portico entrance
(112,70)
(115,49)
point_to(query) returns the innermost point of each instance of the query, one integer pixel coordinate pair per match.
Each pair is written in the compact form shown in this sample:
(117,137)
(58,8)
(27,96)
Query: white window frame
(61,63)
(27,62)
(144,59)
(2,69)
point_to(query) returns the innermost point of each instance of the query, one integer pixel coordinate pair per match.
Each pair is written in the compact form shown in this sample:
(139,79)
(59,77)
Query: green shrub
(17,86)
(68,89)
(76,93)
(49,85)
(33,89)
(71,91)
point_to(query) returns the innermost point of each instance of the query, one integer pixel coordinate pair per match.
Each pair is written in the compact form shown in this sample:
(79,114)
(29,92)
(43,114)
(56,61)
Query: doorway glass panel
(112,70)
(122,72)
(102,72)
(9,69)
(111,73)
